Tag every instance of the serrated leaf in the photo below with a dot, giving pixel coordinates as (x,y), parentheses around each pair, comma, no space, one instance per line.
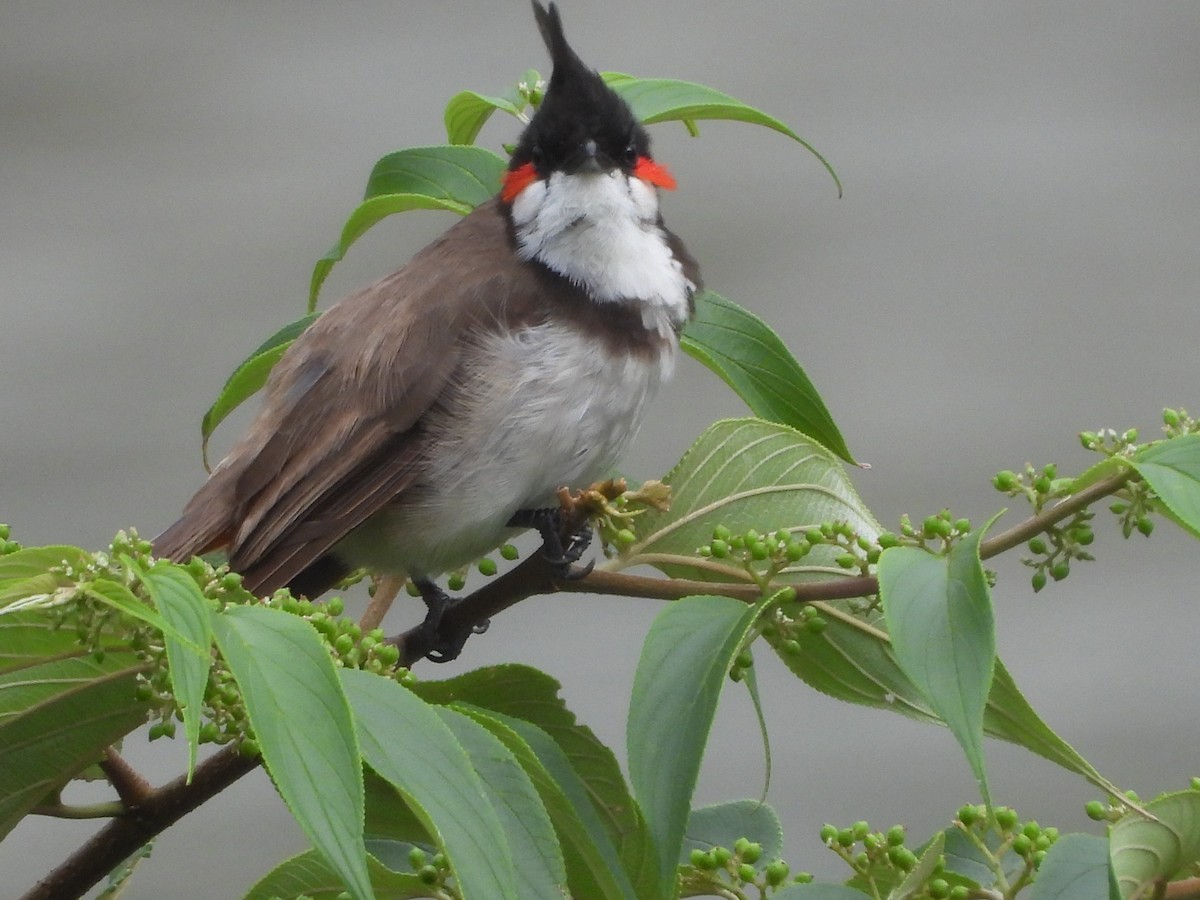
(249,377)
(308,874)
(593,867)
(405,741)
(721,824)
(537,859)
(182,605)
(913,883)
(748,356)
(467,113)
(303,725)
(684,663)
(1145,852)
(1075,868)
(938,612)
(57,716)
(452,177)
(670,100)
(1172,469)
(527,695)
(748,473)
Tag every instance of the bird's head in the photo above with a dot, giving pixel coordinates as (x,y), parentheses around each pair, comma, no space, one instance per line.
(582,129)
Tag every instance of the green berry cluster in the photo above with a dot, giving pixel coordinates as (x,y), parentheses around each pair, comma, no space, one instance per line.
(1177,422)
(1038,487)
(350,646)
(785,625)
(432,869)
(7,546)
(1133,505)
(1055,549)
(873,855)
(763,556)
(941,528)
(1027,840)
(731,871)
(1113,808)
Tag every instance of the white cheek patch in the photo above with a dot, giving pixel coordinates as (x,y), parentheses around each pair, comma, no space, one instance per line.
(601,232)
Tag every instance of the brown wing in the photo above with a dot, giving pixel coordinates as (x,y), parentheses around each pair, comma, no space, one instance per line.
(339,434)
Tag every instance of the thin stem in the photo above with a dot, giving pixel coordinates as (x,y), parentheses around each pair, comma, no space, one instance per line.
(1187,889)
(386,590)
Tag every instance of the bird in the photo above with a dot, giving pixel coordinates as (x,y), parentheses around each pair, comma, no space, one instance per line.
(429,417)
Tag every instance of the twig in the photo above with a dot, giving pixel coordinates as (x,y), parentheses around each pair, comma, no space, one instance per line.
(1187,889)
(130,786)
(118,840)
(108,810)
(386,589)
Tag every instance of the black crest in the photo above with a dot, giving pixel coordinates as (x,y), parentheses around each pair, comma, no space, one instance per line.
(578,107)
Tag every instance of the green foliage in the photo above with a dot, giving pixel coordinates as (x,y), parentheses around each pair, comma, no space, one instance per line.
(485,785)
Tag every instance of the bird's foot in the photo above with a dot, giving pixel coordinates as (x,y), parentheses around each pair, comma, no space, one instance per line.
(560,550)
(432,640)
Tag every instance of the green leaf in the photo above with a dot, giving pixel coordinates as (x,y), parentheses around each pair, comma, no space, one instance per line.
(939,614)
(537,859)
(748,356)
(31,562)
(1075,868)
(182,605)
(467,113)
(669,100)
(114,594)
(684,663)
(723,823)
(303,724)
(1144,852)
(915,881)
(57,715)
(309,875)
(1172,469)
(454,178)
(748,473)
(526,695)
(406,742)
(593,867)
(249,377)
(25,575)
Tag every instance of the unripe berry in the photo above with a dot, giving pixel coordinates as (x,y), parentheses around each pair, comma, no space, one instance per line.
(776,873)
(1096,810)
(960,892)
(1005,481)
(720,549)
(428,875)
(509,552)
(1006,818)
(968,815)
(417,857)
(828,832)
(895,836)
(487,567)
(746,873)
(939,889)
(722,855)
(626,537)
(1145,525)
(1089,439)
(845,837)
(1037,546)
(814,536)
(752,852)
(1022,845)
(887,540)
(1060,570)
(1038,580)
(847,560)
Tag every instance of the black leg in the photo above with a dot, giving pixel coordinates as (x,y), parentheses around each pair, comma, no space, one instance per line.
(560,553)
(430,640)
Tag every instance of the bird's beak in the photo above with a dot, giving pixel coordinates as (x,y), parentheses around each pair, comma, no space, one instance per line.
(590,160)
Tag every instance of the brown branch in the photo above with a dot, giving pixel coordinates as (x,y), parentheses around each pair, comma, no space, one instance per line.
(130,786)
(1187,889)
(159,809)
(533,576)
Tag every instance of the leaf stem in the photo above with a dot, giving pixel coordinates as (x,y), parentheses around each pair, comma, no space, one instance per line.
(130,786)
(106,810)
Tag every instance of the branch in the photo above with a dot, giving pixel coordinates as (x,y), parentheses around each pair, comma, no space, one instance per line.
(130,786)
(158,809)
(534,576)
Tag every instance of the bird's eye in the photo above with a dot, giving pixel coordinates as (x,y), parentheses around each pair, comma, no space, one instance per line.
(537,155)
(631,154)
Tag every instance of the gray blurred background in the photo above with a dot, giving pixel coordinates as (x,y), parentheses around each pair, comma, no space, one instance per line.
(1015,259)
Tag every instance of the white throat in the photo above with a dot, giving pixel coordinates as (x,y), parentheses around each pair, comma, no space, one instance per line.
(601,232)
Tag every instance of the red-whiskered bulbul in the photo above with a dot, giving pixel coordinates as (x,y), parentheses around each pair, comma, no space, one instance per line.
(419,421)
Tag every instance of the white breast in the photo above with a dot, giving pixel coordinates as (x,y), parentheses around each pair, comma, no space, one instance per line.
(539,409)
(601,231)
